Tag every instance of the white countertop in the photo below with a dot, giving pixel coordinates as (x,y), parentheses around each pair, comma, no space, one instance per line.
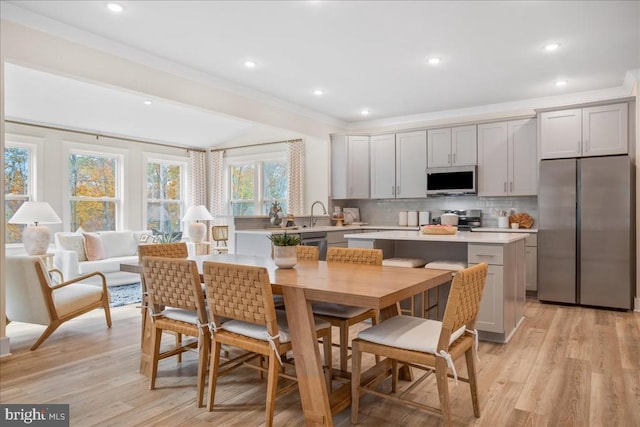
(326,228)
(506,230)
(459,237)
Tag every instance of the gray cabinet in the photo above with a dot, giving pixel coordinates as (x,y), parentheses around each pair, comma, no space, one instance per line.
(349,167)
(531,261)
(507,160)
(583,132)
(452,146)
(503,298)
(337,239)
(398,165)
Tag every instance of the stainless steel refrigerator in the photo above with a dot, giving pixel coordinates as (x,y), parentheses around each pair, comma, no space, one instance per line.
(586,232)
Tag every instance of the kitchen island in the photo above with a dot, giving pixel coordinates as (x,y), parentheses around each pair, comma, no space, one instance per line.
(503,300)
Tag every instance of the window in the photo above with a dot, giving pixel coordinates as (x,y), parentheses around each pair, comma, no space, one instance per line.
(94,191)
(18,182)
(256,184)
(165,195)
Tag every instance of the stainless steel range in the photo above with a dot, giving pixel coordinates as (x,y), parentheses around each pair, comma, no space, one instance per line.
(467,218)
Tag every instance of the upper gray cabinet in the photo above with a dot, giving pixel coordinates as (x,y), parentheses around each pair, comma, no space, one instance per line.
(349,167)
(455,146)
(583,132)
(507,164)
(398,165)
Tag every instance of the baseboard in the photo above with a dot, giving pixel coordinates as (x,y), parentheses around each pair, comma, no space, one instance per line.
(637,304)
(5,347)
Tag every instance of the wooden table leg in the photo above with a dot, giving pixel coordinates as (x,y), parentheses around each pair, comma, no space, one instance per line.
(311,382)
(145,342)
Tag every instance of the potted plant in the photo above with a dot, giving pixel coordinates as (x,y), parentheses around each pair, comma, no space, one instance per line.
(284,249)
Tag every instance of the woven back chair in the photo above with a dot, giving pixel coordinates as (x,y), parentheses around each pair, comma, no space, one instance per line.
(177,304)
(220,234)
(242,295)
(428,344)
(307,253)
(355,256)
(167,250)
(344,316)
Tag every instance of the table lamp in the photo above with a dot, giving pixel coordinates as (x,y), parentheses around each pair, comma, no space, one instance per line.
(197,230)
(36,238)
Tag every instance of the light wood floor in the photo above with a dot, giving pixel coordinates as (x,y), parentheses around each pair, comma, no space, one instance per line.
(566,366)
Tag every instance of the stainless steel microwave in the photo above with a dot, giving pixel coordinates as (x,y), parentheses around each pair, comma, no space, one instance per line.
(455,180)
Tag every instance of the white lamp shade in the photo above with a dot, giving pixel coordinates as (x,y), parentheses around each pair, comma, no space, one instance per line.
(35,213)
(197,213)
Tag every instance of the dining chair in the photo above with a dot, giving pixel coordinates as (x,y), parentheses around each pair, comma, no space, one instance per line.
(166,250)
(427,344)
(176,304)
(242,296)
(32,297)
(345,316)
(307,253)
(220,234)
(303,253)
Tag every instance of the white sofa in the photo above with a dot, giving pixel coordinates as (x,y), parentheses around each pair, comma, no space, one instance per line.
(119,246)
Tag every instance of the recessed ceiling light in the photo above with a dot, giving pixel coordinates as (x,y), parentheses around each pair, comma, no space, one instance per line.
(364,112)
(250,64)
(551,47)
(434,61)
(148,102)
(318,92)
(115,7)
(561,83)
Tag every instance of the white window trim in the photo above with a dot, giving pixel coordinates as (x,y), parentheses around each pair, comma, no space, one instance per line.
(86,149)
(259,159)
(36,180)
(148,157)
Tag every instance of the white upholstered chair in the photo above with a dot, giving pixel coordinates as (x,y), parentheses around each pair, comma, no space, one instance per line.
(33,298)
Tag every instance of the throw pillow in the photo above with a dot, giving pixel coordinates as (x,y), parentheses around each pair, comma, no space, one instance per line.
(72,242)
(93,247)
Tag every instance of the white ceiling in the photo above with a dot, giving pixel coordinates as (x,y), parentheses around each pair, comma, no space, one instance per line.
(363,54)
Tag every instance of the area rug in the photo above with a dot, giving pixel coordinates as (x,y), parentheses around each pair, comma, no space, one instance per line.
(125,294)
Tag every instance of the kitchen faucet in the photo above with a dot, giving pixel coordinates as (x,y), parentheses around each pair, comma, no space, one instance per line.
(311,221)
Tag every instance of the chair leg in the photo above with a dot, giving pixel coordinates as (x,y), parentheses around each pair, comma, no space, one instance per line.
(374,322)
(214,366)
(394,375)
(179,344)
(107,310)
(47,332)
(344,345)
(272,386)
(473,383)
(204,346)
(356,361)
(156,339)
(443,390)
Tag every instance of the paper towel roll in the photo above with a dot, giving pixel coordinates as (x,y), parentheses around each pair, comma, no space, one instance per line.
(402,218)
(412,218)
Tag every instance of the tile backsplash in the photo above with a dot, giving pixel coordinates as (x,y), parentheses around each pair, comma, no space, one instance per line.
(385,211)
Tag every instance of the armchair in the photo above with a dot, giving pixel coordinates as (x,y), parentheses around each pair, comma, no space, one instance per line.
(33,298)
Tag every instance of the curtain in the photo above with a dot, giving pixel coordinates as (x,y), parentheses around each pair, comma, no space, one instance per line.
(197,178)
(216,164)
(295,159)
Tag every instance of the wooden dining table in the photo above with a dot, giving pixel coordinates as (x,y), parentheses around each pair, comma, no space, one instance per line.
(371,286)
